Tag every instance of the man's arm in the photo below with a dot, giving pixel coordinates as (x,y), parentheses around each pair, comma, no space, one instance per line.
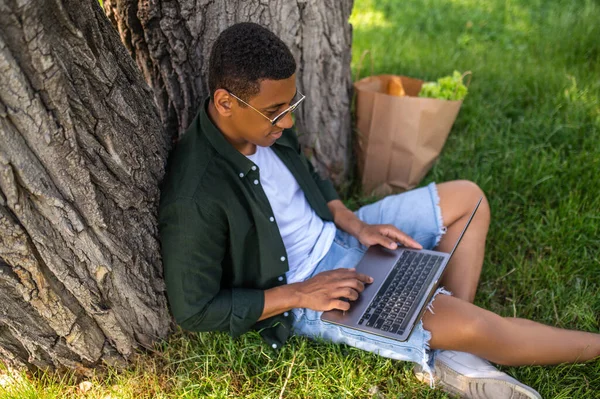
(321,292)
(325,185)
(386,235)
(345,219)
(193,244)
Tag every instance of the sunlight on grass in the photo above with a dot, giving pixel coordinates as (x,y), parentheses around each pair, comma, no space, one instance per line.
(586,98)
(369,19)
(528,133)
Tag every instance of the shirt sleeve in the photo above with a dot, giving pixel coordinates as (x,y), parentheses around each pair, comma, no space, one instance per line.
(193,244)
(325,185)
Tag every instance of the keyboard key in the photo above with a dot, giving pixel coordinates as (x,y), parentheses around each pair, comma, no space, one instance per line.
(396,297)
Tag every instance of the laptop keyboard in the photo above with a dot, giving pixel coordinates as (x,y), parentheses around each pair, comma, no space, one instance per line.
(397,298)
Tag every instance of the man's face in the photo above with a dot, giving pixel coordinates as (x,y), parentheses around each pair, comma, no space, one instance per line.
(274,97)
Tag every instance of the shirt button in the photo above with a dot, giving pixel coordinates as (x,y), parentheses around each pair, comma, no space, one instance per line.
(253,168)
(271,219)
(241,175)
(282,258)
(280,278)
(274,346)
(285,314)
(255,181)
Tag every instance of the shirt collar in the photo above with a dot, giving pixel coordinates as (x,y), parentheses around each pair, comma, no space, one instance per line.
(220,143)
(224,147)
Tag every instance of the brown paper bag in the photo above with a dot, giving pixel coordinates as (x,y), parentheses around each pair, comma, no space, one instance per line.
(399,138)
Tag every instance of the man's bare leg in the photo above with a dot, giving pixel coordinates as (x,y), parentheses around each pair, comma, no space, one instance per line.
(457,201)
(466,329)
(462,326)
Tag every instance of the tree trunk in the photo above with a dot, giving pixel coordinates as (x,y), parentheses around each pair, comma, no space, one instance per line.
(82,151)
(171,42)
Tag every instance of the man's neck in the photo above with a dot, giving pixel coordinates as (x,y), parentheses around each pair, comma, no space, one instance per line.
(241,145)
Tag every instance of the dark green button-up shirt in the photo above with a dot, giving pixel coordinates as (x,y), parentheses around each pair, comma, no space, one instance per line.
(221,247)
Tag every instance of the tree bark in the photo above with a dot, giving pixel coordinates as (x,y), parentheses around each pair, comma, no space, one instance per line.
(83,146)
(171,41)
(82,151)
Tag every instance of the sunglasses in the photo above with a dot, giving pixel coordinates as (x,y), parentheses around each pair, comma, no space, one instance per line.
(274,121)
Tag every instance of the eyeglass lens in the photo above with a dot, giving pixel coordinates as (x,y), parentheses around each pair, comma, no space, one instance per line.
(294,104)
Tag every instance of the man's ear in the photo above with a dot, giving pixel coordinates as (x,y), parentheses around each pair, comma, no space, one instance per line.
(223,102)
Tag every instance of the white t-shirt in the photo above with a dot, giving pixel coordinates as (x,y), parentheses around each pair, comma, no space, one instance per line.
(306,237)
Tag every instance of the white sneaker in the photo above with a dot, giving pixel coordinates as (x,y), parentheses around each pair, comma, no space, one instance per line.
(471,377)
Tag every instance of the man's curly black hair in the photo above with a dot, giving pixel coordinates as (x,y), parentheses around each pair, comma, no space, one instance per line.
(243,55)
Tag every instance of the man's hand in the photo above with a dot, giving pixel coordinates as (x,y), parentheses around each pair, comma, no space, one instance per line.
(323,291)
(386,235)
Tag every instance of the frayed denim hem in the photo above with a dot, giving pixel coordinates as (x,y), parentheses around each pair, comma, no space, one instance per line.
(435,197)
(428,359)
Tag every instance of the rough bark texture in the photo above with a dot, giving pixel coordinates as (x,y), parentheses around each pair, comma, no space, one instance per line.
(171,41)
(82,151)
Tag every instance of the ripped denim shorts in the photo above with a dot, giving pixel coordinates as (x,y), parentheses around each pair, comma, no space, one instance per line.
(417,213)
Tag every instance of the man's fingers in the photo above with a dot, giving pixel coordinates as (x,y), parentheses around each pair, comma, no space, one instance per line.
(409,242)
(342,272)
(351,274)
(353,283)
(364,278)
(339,304)
(386,242)
(344,292)
(403,238)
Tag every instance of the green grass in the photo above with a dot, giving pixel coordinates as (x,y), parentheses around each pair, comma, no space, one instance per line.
(528,134)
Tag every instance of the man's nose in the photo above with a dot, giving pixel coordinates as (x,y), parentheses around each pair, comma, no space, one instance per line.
(286,122)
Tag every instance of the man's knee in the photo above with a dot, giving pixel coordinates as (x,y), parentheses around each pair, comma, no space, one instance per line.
(474,329)
(479,333)
(467,189)
(473,192)
(461,196)
(456,324)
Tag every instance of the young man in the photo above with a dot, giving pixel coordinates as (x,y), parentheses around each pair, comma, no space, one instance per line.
(253,238)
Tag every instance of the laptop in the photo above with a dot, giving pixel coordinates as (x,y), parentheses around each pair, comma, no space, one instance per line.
(404,280)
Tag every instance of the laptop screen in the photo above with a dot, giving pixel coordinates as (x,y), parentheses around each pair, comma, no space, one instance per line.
(467,225)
